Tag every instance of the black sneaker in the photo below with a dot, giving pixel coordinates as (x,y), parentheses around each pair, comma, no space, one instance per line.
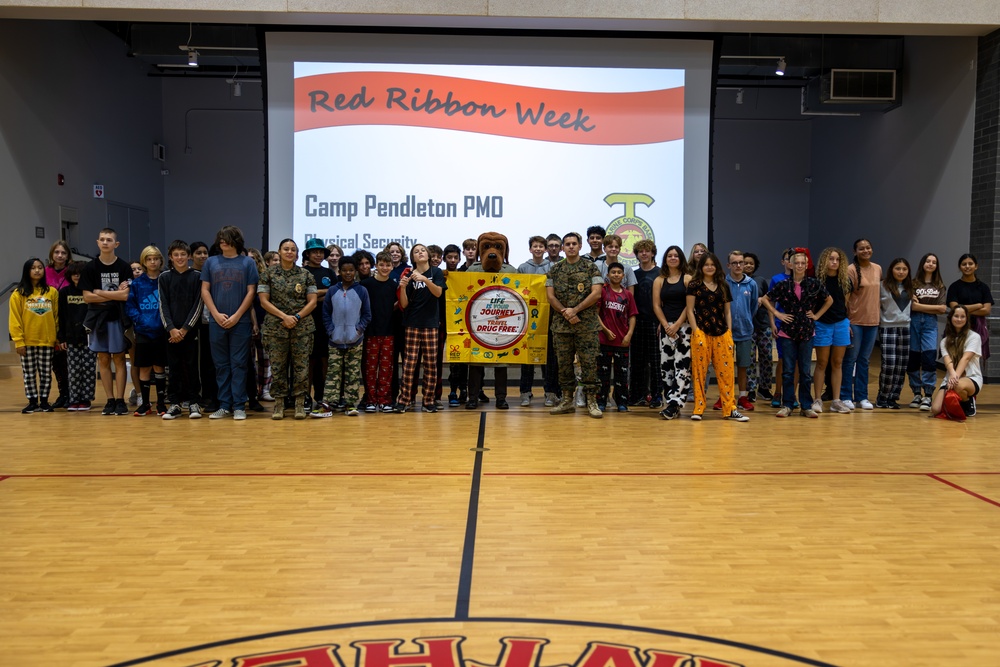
(32,406)
(463,396)
(60,403)
(109,407)
(892,405)
(969,407)
(430,408)
(121,408)
(655,403)
(483,398)
(501,404)
(255,406)
(765,393)
(174,412)
(399,408)
(670,412)
(44,406)
(452,400)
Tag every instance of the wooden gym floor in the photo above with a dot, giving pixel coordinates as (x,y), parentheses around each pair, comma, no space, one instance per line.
(869,539)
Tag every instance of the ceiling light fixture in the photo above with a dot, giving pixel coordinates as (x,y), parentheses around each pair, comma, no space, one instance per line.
(192,58)
(780,71)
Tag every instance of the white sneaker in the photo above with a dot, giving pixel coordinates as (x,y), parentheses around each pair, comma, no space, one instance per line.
(266,397)
(194,411)
(849,405)
(550,400)
(737,416)
(351,412)
(239,415)
(526,399)
(817,406)
(838,406)
(925,403)
(221,413)
(866,405)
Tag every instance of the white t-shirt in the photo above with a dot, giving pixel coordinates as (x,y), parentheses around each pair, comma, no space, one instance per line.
(974,344)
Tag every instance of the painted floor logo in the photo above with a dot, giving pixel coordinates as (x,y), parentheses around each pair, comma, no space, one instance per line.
(475,643)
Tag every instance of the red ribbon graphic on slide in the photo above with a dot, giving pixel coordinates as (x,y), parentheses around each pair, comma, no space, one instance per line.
(484,107)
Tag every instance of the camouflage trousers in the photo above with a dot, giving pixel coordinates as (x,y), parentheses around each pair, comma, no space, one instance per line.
(343,376)
(585,346)
(288,350)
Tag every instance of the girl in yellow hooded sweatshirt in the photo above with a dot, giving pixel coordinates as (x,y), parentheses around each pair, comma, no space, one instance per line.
(33,311)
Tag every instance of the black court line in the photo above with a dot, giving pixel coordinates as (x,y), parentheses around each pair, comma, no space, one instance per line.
(469,547)
(541,621)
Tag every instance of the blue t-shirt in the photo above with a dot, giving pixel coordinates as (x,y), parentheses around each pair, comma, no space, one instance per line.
(228,279)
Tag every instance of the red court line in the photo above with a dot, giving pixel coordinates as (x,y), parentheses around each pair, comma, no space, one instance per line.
(236,474)
(965,490)
(707,474)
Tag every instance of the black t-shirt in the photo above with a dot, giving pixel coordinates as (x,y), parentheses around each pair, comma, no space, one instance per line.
(838,309)
(382,296)
(673,298)
(965,293)
(98,275)
(325,279)
(644,292)
(422,311)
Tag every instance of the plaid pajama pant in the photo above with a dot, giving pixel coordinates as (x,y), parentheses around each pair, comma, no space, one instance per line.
(420,344)
(36,365)
(895,344)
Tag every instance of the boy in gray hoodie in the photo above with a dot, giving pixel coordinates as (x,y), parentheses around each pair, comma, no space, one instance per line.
(346,314)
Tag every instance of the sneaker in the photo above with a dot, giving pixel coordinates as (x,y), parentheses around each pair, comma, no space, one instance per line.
(602,406)
(371,407)
(718,405)
(784,411)
(764,393)
(501,404)
(915,403)
(386,408)
(550,399)
(185,405)
(655,404)
(640,402)
(83,406)
(133,398)
(174,412)
(817,406)
(438,404)
(59,403)
(161,409)
(266,397)
(776,402)
(925,403)
(483,398)
(452,401)
(44,406)
(737,416)
(120,407)
(811,414)
(399,408)
(194,411)
(696,418)
(969,407)
(744,403)
(463,396)
(32,406)
(622,407)
(892,405)
(143,410)
(221,413)
(239,415)
(72,407)
(849,405)
(752,396)
(321,410)
(881,404)
(838,406)
(351,412)
(866,405)
(670,412)
(255,406)
(430,407)
(109,407)
(526,399)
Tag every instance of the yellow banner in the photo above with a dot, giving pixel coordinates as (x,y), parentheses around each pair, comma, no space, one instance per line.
(496,318)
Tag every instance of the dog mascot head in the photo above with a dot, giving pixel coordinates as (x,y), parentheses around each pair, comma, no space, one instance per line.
(493,251)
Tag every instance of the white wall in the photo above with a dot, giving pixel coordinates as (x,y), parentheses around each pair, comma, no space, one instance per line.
(71,103)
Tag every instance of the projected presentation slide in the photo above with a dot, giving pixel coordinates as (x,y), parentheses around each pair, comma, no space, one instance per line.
(437,152)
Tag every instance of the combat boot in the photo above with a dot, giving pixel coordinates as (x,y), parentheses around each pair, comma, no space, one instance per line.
(593,409)
(565,405)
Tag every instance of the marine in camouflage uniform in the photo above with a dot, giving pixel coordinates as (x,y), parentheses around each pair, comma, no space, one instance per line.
(571,283)
(288,290)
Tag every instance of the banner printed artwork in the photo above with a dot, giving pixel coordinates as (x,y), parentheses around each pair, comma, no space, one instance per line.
(496,318)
